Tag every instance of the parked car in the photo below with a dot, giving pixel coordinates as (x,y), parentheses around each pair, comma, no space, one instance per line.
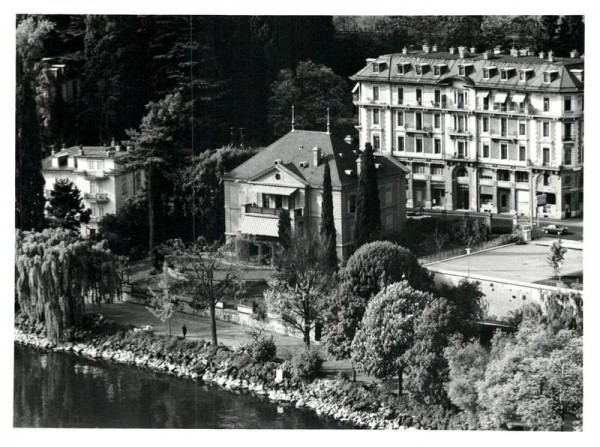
(555,229)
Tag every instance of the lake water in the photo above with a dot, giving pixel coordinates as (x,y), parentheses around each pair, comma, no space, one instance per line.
(55,389)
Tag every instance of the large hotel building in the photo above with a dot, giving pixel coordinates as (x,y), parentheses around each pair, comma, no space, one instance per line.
(491,132)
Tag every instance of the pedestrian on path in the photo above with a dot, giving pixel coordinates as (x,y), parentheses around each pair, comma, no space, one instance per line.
(184,330)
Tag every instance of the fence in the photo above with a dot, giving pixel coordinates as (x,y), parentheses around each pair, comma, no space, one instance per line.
(447,254)
(498,224)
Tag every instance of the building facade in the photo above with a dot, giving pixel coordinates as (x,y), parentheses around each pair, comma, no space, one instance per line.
(288,174)
(488,132)
(97,173)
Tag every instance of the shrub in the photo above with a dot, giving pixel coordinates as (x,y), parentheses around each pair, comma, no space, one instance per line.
(263,350)
(306,365)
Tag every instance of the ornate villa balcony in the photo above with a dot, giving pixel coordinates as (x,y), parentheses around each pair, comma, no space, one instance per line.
(99,197)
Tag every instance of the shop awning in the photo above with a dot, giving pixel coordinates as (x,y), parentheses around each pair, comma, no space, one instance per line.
(500,97)
(519,97)
(277,190)
(483,94)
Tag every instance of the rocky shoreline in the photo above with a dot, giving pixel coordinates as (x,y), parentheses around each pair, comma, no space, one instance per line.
(321,396)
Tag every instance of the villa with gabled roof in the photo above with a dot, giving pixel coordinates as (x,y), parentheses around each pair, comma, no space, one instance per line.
(288,174)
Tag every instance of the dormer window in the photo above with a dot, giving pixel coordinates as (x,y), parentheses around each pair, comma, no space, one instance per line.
(463,69)
(403,67)
(486,73)
(549,76)
(504,75)
(438,69)
(375,66)
(525,74)
(418,70)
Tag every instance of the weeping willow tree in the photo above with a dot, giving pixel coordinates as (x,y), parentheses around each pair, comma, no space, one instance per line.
(56,271)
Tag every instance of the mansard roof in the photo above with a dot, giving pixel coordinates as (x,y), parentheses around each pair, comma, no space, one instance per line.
(564,81)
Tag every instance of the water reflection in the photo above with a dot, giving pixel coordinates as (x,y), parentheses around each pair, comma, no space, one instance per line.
(62,390)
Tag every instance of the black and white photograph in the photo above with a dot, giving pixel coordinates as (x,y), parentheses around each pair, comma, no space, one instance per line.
(297,222)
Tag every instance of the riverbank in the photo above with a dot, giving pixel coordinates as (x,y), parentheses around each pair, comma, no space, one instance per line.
(362,406)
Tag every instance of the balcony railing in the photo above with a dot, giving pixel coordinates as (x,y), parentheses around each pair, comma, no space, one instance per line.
(566,138)
(95,175)
(96,196)
(253,209)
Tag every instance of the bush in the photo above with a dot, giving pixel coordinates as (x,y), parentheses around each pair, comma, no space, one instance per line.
(306,365)
(263,350)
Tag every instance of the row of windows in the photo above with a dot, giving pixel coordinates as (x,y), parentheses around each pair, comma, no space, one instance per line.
(461,98)
(461,149)
(461,123)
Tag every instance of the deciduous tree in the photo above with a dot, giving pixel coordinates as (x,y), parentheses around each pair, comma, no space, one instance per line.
(556,257)
(387,331)
(370,269)
(301,283)
(204,274)
(56,271)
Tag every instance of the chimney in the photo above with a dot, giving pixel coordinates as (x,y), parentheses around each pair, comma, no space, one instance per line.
(113,143)
(542,55)
(348,139)
(473,50)
(486,55)
(316,155)
(434,49)
(574,54)
(514,52)
(550,56)
(358,165)
(425,48)
(498,50)
(462,52)
(404,50)
(64,145)
(451,50)
(52,150)
(81,150)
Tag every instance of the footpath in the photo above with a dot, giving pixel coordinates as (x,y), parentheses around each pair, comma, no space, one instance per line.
(229,334)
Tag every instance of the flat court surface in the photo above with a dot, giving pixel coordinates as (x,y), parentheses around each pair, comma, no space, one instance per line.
(525,263)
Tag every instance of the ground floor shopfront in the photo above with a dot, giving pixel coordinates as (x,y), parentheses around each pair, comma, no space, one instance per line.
(472,186)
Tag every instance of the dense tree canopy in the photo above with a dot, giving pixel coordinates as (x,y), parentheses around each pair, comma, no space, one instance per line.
(200,186)
(370,269)
(534,376)
(311,89)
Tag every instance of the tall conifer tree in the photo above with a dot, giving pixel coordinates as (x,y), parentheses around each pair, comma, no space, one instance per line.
(367,226)
(328,225)
(29,182)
